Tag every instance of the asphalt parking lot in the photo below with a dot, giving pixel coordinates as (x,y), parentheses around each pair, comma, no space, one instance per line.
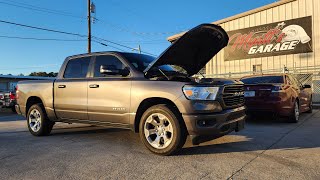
(266,149)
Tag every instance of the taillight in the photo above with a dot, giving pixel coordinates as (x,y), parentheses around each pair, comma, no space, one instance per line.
(12,96)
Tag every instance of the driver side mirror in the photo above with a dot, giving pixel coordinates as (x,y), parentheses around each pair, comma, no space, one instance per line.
(112,70)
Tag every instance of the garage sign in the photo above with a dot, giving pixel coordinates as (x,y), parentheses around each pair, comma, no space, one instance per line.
(280,38)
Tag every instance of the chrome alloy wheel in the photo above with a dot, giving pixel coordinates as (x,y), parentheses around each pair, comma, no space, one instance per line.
(158,131)
(296,111)
(35,120)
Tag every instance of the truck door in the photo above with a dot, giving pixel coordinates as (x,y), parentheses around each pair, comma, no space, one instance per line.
(71,92)
(108,95)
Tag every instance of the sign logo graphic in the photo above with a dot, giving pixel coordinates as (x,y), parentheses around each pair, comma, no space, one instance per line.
(280,38)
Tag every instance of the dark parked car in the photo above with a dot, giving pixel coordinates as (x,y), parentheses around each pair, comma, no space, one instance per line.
(8,100)
(280,94)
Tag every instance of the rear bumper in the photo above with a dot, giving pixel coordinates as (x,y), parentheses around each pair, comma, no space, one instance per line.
(203,127)
(7,104)
(282,108)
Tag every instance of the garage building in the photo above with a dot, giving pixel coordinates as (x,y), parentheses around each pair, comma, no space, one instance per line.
(282,36)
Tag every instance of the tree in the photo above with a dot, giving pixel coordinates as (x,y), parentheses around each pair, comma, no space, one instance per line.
(44,74)
(53,74)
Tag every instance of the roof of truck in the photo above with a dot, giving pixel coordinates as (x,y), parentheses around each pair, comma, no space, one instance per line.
(97,53)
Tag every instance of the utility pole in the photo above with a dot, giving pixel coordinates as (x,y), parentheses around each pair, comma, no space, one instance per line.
(139,49)
(89,26)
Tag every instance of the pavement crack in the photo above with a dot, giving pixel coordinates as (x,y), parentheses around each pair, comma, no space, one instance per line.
(269,147)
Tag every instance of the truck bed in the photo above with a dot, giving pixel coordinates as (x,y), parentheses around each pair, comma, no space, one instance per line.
(42,89)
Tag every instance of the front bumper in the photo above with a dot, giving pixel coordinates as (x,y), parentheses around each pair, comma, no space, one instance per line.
(210,126)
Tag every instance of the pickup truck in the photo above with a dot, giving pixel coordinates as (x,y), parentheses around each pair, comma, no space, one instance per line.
(155,97)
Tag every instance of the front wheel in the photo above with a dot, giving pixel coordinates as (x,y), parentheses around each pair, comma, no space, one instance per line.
(38,122)
(160,130)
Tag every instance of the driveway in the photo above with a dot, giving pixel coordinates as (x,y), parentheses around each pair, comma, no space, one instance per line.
(266,149)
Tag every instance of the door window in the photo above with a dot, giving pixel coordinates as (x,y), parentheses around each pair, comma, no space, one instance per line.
(107,60)
(77,68)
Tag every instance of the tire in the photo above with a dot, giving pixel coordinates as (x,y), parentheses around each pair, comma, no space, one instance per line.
(161,131)
(38,122)
(310,107)
(294,118)
(13,109)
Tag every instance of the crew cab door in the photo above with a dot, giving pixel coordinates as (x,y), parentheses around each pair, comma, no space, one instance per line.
(108,95)
(71,91)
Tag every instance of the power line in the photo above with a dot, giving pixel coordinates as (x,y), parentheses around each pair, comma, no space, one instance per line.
(63,13)
(127,10)
(39,39)
(69,33)
(122,29)
(121,45)
(44,29)
(103,44)
(40,9)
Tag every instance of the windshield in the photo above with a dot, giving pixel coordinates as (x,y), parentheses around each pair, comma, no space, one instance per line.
(263,80)
(141,62)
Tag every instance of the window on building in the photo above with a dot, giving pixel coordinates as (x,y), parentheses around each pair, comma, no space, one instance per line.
(257,68)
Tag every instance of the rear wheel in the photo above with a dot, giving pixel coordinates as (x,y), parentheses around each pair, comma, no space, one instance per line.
(296,113)
(38,122)
(13,109)
(160,130)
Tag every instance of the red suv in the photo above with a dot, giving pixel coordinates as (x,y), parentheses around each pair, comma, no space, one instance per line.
(280,94)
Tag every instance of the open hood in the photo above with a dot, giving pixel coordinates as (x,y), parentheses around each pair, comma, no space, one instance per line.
(194,49)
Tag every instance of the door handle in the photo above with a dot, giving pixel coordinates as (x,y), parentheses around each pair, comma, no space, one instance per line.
(62,86)
(93,86)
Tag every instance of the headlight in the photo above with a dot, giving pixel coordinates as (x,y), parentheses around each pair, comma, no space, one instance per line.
(200,93)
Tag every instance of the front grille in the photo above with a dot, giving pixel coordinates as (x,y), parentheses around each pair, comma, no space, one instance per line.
(233,96)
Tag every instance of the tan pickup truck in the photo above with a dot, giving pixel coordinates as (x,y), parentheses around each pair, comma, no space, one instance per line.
(155,97)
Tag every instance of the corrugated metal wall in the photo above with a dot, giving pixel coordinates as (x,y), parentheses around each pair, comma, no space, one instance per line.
(291,10)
